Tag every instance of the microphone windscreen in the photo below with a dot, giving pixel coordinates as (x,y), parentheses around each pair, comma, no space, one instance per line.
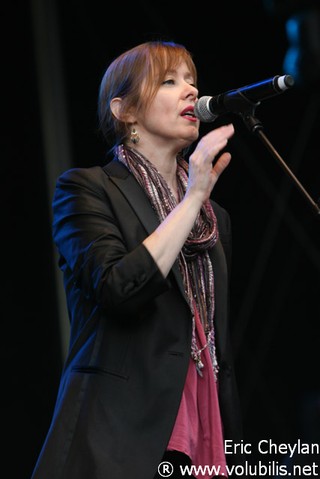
(202,110)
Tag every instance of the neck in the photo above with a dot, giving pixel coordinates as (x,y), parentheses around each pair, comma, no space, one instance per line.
(165,161)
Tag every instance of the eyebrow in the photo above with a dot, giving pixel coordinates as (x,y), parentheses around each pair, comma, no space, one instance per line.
(175,71)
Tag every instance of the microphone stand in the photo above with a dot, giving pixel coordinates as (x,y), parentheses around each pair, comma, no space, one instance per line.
(255,126)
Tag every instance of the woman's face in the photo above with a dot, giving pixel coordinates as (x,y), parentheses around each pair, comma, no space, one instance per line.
(170,117)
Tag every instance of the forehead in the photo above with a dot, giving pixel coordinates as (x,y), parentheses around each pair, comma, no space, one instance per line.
(182,69)
(170,60)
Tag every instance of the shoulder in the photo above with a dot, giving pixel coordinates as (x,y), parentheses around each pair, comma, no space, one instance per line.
(78,186)
(81,175)
(94,174)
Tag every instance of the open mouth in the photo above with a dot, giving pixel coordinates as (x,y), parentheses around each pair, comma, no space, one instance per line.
(189,113)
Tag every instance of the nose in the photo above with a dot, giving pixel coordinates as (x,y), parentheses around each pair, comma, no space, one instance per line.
(191,90)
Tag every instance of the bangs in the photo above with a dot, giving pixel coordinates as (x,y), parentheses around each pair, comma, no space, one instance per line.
(169,57)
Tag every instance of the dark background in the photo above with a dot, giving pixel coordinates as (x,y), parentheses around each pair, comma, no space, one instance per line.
(58,51)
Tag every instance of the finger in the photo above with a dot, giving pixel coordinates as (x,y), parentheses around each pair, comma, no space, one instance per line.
(218,140)
(221,164)
(227,130)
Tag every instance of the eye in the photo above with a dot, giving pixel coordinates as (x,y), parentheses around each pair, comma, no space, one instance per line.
(169,81)
(191,82)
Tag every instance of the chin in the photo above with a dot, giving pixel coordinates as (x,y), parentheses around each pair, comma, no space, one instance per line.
(194,136)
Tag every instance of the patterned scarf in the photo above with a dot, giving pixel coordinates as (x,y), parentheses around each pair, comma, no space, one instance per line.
(194,261)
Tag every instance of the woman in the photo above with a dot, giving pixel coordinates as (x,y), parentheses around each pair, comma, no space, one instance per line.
(144,253)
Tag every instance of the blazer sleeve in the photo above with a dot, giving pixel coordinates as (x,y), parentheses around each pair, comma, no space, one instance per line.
(93,254)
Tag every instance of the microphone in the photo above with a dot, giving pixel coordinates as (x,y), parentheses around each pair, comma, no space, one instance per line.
(208,108)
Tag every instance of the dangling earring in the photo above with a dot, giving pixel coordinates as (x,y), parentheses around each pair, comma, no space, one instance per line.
(134,136)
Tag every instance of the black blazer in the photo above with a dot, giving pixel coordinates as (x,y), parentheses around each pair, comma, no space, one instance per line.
(130,334)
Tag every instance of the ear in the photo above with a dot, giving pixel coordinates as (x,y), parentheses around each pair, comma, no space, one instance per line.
(116,108)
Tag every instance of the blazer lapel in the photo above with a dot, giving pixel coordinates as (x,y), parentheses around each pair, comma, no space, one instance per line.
(137,198)
(218,259)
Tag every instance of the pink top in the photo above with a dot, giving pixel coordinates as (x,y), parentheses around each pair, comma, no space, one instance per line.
(198,429)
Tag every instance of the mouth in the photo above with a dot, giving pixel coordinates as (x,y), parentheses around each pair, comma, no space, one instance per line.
(188,113)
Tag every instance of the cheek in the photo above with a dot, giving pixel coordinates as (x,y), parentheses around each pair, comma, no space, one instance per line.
(163,104)
(162,109)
